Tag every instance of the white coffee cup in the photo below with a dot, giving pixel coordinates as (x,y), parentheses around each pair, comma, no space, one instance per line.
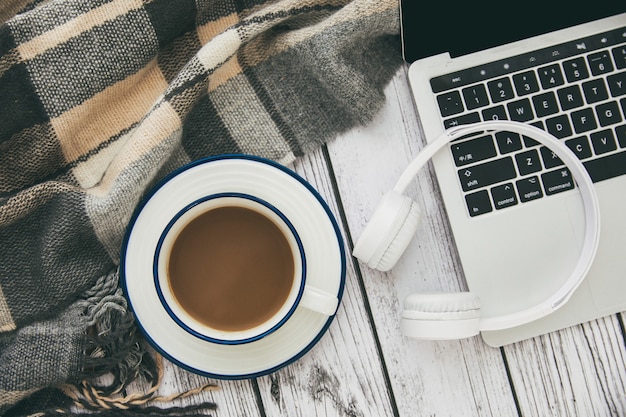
(300,293)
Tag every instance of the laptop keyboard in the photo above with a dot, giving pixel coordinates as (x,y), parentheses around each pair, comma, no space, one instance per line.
(575,90)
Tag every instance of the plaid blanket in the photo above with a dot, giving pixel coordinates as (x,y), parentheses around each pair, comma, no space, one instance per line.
(101,98)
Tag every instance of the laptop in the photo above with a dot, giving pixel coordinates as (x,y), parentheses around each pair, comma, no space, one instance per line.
(517,219)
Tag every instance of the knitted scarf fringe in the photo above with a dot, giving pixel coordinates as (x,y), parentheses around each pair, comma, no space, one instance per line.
(88,397)
(115,348)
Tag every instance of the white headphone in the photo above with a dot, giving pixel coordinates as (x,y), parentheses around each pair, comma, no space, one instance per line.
(457,315)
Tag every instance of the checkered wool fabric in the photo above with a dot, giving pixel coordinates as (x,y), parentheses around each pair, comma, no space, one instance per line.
(101,98)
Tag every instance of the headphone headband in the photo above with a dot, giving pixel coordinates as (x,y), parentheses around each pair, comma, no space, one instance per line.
(383,256)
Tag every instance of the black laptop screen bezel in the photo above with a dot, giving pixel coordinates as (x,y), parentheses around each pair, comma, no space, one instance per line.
(461,28)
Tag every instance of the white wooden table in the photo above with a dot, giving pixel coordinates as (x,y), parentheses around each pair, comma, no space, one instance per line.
(363,366)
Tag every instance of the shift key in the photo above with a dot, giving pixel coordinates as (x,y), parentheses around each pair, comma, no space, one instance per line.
(482,175)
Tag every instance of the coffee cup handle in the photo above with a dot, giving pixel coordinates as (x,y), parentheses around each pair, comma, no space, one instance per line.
(319,301)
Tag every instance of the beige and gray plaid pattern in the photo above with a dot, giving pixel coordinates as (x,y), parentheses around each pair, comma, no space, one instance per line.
(100,99)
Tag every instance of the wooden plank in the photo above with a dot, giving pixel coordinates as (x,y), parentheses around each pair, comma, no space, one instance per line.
(443,378)
(579,371)
(342,375)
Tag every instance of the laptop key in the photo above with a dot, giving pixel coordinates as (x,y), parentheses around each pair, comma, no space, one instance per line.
(559,126)
(583,120)
(603,141)
(521,110)
(463,119)
(526,83)
(608,113)
(450,103)
(487,173)
(619,55)
(600,63)
(500,90)
(570,97)
(580,146)
(606,167)
(557,181)
(474,150)
(551,76)
(478,203)
(528,162)
(575,69)
(508,142)
(503,196)
(617,84)
(530,142)
(494,113)
(529,189)
(545,104)
(620,132)
(549,158)
(595,91)
(475,96)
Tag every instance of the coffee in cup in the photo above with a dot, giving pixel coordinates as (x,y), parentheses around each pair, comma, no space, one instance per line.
(231,268)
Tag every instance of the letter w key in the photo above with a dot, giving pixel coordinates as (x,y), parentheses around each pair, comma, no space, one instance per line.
(521,110)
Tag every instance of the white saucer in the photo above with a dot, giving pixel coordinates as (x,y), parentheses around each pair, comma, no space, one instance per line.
(269,181)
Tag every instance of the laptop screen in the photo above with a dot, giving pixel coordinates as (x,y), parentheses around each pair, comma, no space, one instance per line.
(469,26)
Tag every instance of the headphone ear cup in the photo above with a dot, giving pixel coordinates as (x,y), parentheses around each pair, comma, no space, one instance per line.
(441,316)
(388,232)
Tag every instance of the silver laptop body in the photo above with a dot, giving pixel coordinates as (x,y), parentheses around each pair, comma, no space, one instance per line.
(518,226)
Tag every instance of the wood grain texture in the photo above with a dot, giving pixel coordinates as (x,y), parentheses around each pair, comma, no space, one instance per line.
(578,371)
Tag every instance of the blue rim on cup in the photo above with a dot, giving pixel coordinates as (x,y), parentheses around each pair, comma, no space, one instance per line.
(187,322)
